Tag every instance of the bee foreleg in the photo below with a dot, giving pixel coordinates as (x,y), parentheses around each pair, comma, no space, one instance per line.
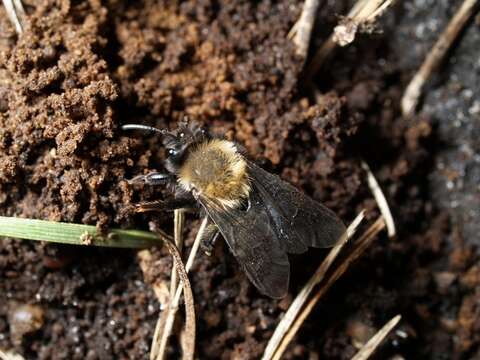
(209,237)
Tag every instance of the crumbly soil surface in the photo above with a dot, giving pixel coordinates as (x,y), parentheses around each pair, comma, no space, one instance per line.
(81,69)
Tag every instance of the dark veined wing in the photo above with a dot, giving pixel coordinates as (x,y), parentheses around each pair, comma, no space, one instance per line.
(299,220)
(252,238)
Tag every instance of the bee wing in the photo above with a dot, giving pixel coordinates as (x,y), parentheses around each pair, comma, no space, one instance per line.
(299,220)
(253,241)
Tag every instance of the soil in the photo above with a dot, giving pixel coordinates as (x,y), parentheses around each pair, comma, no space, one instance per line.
(81,69)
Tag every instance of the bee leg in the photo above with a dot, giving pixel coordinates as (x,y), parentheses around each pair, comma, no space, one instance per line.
(209,237)
(146,206)
(166,205)
(152,178)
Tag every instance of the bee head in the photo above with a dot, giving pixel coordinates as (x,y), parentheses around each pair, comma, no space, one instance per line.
(178,142)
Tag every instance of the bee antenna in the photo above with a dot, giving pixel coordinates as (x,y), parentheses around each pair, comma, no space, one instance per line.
(143,127)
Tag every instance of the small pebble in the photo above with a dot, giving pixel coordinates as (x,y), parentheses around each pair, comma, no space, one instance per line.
(359,332)
(444,280)
(24,319)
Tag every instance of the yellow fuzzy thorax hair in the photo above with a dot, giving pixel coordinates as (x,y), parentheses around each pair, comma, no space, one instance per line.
(215,170)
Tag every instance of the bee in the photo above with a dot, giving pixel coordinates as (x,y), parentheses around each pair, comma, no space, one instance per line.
(261,217)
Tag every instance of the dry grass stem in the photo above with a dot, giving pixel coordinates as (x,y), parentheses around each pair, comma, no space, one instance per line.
(154,347)
(359,247)
(178,222)
(168,317)
(380,10)
(196,244)
(15,12)
(372,344)
(160,291)
(10,355)
(362,15)
(435,56)
(4,356)
(380,199)
(366,9)
(190,326)
(301,298)
(301,32)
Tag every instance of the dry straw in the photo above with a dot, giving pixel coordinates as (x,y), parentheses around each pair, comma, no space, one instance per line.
(295,308)
(165,322)
(380,199)
(435,56)
(15,13)
(358,248)
(301,32)
(367,350)
(362,16)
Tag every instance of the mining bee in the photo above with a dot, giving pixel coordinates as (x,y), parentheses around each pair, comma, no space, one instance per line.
(260,216)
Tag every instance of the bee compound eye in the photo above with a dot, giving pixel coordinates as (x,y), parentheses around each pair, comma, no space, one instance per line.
(172,152)
(181,134)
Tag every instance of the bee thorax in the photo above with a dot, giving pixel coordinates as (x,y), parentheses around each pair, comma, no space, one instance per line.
(216,170)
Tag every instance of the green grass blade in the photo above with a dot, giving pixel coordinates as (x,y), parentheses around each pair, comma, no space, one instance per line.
(74,234)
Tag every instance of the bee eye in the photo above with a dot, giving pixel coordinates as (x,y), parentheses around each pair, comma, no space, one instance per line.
(181,135)
(172,152)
